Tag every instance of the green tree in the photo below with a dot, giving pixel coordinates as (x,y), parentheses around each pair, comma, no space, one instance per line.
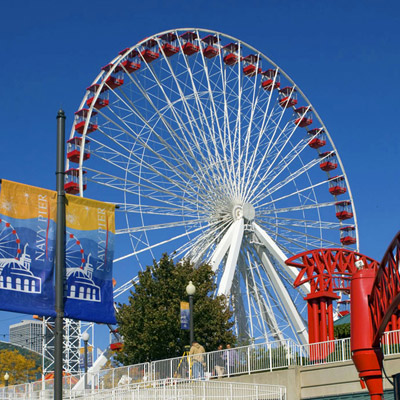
(21,369)
(150,323)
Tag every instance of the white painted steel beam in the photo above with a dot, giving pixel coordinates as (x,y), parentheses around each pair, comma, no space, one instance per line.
(232,259)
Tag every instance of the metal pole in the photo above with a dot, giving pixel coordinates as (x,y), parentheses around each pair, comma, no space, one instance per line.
(60,257)
(86,362)
(396,384)
(191,319)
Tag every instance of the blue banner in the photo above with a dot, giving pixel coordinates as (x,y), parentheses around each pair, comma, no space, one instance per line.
(27,248)
(27,252)
(89,258)
(185,315)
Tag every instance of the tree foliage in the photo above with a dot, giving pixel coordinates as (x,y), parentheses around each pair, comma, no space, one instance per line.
(342,331)
(150,323)
(21,369)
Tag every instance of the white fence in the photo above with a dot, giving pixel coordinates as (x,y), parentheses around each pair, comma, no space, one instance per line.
(215,364)
(166,389)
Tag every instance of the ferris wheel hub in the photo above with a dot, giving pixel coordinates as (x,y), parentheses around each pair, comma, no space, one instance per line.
(245,211)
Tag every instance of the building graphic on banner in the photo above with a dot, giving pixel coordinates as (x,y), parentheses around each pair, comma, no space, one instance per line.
(15,269)
(80,282)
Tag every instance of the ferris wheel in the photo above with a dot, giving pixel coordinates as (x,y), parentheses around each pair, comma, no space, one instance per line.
(10,243)
(213,153)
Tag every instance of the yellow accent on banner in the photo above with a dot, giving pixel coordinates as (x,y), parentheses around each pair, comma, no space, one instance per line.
(184,305)
(87,214)
(25,202)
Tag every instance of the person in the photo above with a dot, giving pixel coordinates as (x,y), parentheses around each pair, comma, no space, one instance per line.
(219,362)
(196,354)
(232,358)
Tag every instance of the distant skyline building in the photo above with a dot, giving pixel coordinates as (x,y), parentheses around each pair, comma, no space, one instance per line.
(28,334)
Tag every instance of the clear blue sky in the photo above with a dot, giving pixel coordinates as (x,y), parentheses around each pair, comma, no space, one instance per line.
(345,57)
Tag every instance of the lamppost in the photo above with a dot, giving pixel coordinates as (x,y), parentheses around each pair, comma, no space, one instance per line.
(85,338)
(6,378)
(190,290)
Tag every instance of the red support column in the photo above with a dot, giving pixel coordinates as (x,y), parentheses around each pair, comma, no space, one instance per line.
(368,360)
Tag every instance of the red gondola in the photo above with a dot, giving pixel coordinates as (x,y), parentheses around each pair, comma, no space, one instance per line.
(304,116)
(74,149)
(80,121)
(102,98)
(189,47)
(147,54)
(329,162)
(269,81)
(116,78)
(169,46)
(71,184)
(348,235)
(319,139)
(250,68)
(343,210)
(337,185)
(231,57)
(288,97)
(211,50)
(116,346)
(131,61)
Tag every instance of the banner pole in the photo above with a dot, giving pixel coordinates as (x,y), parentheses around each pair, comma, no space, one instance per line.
(60,258)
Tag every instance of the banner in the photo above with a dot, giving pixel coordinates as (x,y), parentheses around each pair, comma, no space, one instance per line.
(185,315)
(89,255)
(27,252)
(27,248)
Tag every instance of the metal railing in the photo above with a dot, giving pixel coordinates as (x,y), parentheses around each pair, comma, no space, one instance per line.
(391,343)
(215,364)
(166,389)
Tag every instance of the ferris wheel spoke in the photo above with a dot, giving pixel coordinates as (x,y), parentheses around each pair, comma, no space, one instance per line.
(254,104)
(297,208)
(302,223)
(272,144)
(265,123)
(178,153)
(202,244)
(121,184)
(215,120)
(167,211)
(172,239)
(196,221)
(179,122)
(308,236)
(204,121)
(290,178)
(191,120)
(142,163)
(294,193)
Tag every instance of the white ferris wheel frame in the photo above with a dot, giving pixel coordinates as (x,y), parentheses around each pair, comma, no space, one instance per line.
(229,240)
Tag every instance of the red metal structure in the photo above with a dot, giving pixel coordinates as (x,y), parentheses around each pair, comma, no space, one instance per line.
(375,302)
(374,305)
(327,271)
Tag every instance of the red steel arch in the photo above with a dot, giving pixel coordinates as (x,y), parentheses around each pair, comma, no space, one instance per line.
(385,296)
(327,271)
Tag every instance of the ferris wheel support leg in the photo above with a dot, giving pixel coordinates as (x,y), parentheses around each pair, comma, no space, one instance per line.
(231,262)
(278,285)
(286,300)
(222,248)
(278,255)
